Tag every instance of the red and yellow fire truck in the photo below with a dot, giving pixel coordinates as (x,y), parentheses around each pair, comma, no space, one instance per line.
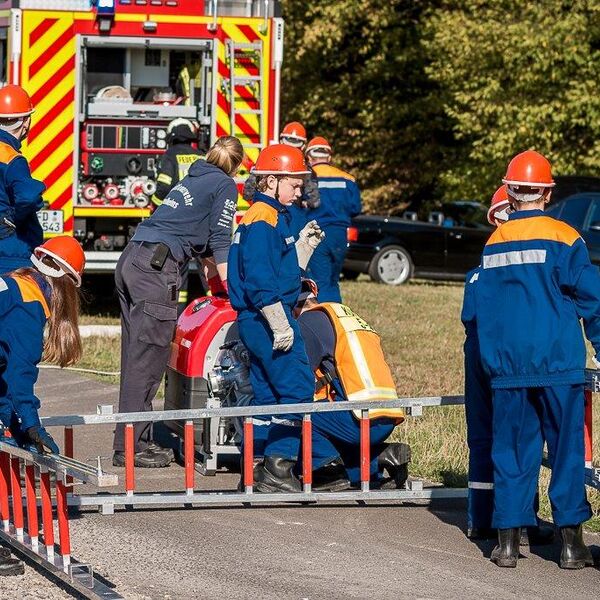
(107,76)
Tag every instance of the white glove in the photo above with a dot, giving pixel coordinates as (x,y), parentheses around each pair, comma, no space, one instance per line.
(283,334)
(308,239)
(596,362)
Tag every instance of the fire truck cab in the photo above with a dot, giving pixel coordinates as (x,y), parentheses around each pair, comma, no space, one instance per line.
(107,79)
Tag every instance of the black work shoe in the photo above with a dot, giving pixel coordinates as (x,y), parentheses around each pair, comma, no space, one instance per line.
(4,553)
(506,553)
(540,535)
(144,459)
(11,566)
(575,554)
(394,459)
(275,475)
(156,447)
(257,462)
(331,477)
(482,533)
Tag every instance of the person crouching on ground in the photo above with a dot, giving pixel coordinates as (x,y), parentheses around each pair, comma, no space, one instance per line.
(536,282)
(264,267)
(340,344)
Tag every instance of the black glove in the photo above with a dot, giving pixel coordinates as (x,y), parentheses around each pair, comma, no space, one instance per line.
(42,440)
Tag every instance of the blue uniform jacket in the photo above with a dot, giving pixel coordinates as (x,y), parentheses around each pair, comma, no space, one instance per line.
(20,199)
(263,264)
(536,281)
(23,313)
(340,197)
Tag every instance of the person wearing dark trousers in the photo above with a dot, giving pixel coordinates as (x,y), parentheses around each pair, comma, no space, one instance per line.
(196,214)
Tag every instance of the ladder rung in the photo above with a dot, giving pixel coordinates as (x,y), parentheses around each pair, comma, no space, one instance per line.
(236,80)
(247,46)
(248,111)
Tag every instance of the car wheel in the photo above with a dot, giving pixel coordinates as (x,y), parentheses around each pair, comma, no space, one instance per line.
(350,275)
(391,265)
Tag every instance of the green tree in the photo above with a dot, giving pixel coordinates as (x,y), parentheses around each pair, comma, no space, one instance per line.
(514,75)
(354,72)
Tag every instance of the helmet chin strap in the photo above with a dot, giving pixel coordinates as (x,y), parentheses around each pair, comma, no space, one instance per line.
(277,190)
(45,268)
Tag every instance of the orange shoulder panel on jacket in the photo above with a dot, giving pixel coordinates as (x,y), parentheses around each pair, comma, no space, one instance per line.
(324,170)
(534,228)
(30,292)
(7,153)
(260,211)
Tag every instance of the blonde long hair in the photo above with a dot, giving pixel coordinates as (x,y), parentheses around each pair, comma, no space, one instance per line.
(226,153)
(62,345)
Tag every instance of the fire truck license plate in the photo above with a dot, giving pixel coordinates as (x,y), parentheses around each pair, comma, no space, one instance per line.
(51,221)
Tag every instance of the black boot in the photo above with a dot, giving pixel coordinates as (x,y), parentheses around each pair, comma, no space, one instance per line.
(394,459)
(11,566)
(331,477)
(146,459)
(482,533)
(506,553)
(540,535)
(275,475)
(575,554)
(257,462)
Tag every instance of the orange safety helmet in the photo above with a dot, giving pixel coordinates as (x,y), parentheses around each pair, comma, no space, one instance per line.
(14,102)
(319,146)
(499,203)
(66,252)
(530,169)
(280,159)
(293,134)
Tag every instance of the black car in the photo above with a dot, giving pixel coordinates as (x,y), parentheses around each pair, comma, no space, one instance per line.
(393,249)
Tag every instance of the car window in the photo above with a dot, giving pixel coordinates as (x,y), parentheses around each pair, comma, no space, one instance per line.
(470,215)
(594,220)
(574,211)
(554,210)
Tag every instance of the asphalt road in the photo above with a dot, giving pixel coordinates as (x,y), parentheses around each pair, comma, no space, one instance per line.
(333,552)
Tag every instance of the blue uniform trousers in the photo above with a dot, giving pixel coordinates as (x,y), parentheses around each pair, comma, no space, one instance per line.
(326,263)
(276,378)
(478,411)
(523,419)
(337,434)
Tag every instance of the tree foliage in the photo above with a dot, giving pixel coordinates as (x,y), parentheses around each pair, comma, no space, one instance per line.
(427,99)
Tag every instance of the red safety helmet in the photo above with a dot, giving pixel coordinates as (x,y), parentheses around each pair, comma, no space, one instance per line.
(66,252)
(280,159)
(293,134)
(499,203)
(14,102)
(529,169)
(319,146)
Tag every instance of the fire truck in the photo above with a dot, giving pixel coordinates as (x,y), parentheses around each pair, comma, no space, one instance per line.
(107,77)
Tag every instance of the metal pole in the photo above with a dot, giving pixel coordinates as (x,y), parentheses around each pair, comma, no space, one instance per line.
(63,523)
(188,444)
(4,489)
(32,515)
(129,460)
(17,496)
(47,524)
(69,447)
(248,455)
(307,453)
(365,451)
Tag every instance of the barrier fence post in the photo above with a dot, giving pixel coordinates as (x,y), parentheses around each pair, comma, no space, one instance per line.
(47,525)
(17,495)
(248,455)
(188,458)
(307,453)
(62,515)
(32,514)
(365,451)
(587,430)
(4,489)
(129,460)
(69,448)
